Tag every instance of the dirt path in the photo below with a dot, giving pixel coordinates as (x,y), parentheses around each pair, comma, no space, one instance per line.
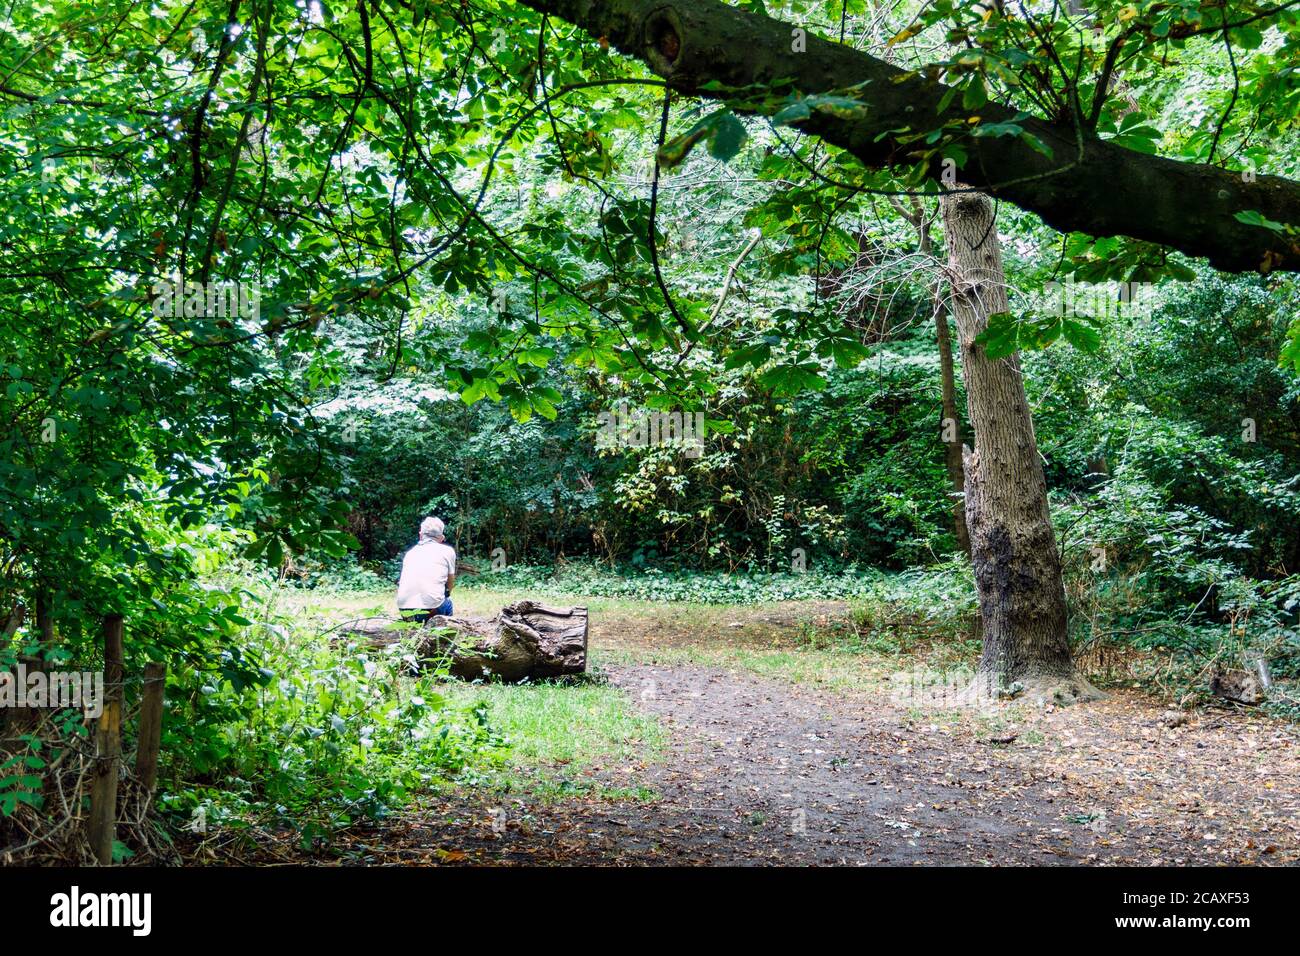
(765,770)
(760,771)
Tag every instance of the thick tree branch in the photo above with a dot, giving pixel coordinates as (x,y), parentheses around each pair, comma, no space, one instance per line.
(1087,185)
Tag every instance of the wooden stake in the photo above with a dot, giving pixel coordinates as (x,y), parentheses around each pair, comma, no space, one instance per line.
(108,747)
(151,714)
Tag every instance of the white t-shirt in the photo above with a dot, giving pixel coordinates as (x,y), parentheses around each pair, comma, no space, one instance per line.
(425,569)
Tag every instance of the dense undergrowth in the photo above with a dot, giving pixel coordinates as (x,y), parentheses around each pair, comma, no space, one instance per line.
(289,730)
(333,736)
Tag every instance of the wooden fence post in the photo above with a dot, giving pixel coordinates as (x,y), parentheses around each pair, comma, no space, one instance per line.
(108,747)
(151,714)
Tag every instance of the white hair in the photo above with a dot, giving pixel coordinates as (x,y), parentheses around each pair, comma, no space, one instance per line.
(431,529)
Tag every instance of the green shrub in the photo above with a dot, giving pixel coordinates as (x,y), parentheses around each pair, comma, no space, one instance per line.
(293,730)
(699,587)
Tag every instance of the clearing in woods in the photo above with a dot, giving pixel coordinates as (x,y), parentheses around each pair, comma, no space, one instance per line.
(723,735)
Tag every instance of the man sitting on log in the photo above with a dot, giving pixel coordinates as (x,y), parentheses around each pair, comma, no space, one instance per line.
(428,574)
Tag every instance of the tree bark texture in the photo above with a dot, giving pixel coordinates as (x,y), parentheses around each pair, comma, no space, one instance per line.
(951,437)
(951,448)
(1013,548)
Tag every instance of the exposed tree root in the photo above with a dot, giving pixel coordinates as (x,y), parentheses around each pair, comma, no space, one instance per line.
(1061,690)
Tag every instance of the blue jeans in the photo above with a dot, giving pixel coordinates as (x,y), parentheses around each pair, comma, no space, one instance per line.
(421,615)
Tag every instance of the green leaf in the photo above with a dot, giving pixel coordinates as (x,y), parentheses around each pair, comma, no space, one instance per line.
(1081,335)
(1290,354)
(974,96)
(755,355)
(1001,337)
(793,113)
(847,353)
(539,356)
(793,378)
(724,133)
(1252,217)
(728,136)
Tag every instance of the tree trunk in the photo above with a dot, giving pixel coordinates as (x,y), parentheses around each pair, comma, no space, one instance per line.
(952,443)
(526,640)
(12,623)
(44,620)
(1013,548)
(150,735)
(950,421)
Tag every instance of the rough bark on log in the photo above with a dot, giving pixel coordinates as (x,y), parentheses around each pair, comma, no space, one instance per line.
(526,640)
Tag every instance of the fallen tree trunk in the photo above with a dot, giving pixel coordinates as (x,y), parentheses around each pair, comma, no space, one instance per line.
(526,640)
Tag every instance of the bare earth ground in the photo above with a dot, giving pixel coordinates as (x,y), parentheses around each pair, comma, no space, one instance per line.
(761,770)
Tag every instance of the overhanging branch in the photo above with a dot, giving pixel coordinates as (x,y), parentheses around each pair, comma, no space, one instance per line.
(1087,185)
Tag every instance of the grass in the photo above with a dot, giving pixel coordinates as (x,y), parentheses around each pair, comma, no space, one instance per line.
(561,734)
(774,640)
(835,669)
(558,732)
(475,602)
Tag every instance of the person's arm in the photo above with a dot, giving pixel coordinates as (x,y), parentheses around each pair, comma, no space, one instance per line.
(451,571)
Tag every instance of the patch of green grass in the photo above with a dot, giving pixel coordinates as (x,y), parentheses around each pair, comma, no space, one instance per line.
(470,602)
(840,655)
(857,653)
(558,732)
(639,794)
(837,669)
(551,787)
(551,723)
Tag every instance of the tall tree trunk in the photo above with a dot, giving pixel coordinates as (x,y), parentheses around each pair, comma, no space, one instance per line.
(951,429)
(1013,548)
(950,421)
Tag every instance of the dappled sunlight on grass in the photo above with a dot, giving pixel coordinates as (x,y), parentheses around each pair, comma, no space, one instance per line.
(559,733)
(826,668)
(563,723)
